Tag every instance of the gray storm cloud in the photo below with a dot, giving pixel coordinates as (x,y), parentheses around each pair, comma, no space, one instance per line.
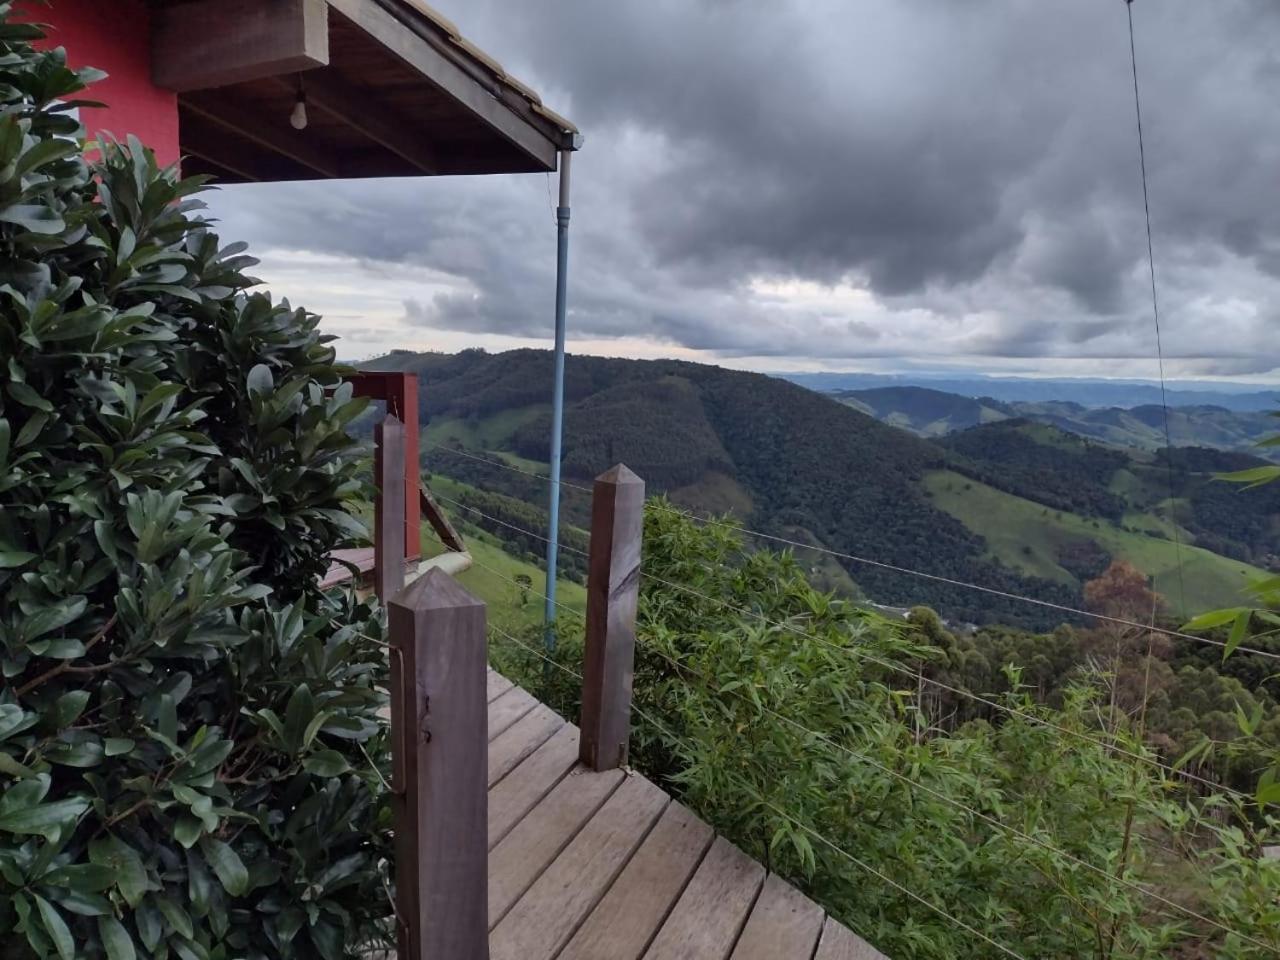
(971,167)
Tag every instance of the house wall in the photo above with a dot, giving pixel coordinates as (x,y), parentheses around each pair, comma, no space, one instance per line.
(115,36)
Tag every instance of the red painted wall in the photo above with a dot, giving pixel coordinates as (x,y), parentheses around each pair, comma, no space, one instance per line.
(115,36)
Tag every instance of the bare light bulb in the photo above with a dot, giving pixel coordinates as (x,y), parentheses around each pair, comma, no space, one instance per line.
(298,119)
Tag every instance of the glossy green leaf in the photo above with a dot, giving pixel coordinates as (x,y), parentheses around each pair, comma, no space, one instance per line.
(115,939)
(326,763)
(226,864)
(56,927)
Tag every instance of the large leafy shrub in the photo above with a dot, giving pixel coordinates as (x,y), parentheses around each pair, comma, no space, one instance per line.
(186,721)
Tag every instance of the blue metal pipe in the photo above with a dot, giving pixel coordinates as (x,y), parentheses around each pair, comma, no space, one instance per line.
(557,400)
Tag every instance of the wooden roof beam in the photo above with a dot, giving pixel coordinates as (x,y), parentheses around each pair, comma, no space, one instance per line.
(402,39)
(328,91)
(280,138)
(205,142)
(215,43)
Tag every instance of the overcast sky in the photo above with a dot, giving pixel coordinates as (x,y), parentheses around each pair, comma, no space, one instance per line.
(836,184)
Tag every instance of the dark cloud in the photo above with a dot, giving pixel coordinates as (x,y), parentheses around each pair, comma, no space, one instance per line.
(840,179)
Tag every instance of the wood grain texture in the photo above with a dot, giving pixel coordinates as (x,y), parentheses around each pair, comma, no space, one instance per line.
(520,739)
(840,943)
(424,57)
(517,861)
(507,709)
(546,916)
(388,510)
(613,590)
(783,923)
(442,815)
(626,920)
(710,913)
(496,685)
(524,787)
(214,43)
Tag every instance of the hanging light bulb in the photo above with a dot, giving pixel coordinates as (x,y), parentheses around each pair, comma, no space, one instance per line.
(298,119)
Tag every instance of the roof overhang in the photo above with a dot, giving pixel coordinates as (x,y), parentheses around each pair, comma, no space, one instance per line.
(392,89)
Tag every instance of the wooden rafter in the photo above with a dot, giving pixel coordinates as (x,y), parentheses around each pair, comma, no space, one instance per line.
(301,147)
(423,55)
(331,93)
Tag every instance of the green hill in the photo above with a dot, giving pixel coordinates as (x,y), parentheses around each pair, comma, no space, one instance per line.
(795,463)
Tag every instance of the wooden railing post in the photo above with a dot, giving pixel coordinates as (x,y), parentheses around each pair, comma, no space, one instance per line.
(613,590)
(400,393)
(389,508)
(440,741)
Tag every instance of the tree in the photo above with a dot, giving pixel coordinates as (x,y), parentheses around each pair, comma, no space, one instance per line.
(1130,656)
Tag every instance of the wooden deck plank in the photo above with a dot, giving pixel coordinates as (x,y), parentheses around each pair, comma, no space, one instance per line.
(710,913)
(783,923)
(497,685)
(519,740)
(840,943)
(625,921)
(547,915)
(507,709)
(524,787)
(519,859)
(587,866)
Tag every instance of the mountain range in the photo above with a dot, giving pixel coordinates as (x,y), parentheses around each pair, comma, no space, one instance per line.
(934,413)
(1084,391)
(1011,504)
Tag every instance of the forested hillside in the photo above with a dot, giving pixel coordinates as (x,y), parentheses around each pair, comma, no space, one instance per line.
(1029,509)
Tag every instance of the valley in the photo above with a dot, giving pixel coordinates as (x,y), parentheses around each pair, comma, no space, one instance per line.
(1013,504)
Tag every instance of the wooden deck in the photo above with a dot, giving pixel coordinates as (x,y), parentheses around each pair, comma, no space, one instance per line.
(606,866)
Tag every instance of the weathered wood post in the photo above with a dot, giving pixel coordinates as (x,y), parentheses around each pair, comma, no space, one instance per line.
(440,723)
(388,519)
(613,590)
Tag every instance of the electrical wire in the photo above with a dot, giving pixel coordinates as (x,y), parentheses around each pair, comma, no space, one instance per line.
(1155,306)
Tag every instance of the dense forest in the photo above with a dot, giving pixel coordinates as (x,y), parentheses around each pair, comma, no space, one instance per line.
(794,463)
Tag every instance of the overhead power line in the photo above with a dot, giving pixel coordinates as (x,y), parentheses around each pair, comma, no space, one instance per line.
(1155,311)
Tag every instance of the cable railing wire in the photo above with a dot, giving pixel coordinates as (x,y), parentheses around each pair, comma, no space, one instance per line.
(504,523)
(959,691)
(965,808)
(993,591)
(505,466)
(861,864)
(908,571)
(537,653)
(515,583)
(900,668)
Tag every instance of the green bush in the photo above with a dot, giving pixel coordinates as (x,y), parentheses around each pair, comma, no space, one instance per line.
(186,722)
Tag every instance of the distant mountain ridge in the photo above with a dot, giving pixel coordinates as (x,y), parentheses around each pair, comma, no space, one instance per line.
(934,413)
(1086,392)
(1008,503)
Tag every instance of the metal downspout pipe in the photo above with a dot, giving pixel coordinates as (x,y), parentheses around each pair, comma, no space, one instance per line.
(557,399)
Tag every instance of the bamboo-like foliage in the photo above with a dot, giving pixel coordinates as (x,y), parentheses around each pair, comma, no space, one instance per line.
(795,723)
